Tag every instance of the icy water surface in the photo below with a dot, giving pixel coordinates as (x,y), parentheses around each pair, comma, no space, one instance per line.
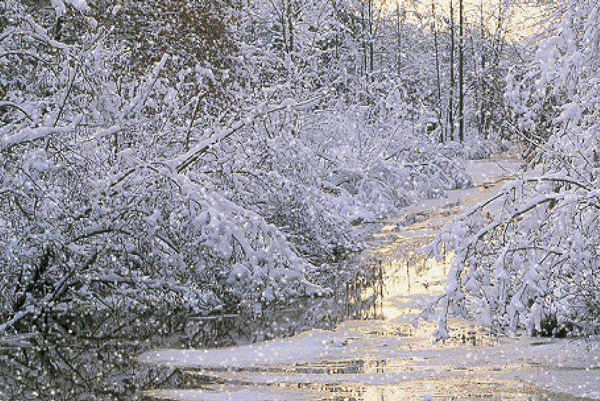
(384,359)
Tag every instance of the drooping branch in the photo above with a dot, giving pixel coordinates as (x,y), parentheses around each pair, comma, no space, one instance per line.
(15,106)
(191,157)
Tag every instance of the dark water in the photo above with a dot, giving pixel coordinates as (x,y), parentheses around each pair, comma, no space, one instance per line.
(90,355)
(394,274)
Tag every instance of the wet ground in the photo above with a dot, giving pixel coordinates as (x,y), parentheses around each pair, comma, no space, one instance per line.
(388,358)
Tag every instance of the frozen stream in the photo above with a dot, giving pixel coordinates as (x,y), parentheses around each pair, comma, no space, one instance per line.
(388,359)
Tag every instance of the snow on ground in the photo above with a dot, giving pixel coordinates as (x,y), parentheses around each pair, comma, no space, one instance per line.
(230,395)
(392,357)
(309,346)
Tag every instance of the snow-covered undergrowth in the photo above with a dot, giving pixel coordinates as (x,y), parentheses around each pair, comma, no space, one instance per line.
(374,170)
(535,265)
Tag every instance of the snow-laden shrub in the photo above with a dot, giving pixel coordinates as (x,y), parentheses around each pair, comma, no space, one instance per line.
(303,212)
(385,187)
(529,257)
(376,166)
(308,172)
(94,208)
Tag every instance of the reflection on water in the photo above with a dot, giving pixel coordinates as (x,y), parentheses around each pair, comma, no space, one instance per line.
(91,356)
(397,280)
(448,388)
(70,368)
(363,296)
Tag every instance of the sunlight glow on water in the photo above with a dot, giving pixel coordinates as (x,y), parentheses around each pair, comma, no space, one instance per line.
(394,360)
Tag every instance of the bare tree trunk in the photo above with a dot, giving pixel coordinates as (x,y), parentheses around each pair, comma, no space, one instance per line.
(452,83)
(290,10)
(371,34)
(284,29)
(461,75)
(481,77)
(363,25)
(399,39)
(437,71)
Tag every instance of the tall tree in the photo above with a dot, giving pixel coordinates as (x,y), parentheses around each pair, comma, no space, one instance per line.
(399,17)
(452,81)
(461,74)
(438,78)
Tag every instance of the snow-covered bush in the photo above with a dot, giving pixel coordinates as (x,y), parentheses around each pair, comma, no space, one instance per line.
(529,258)
(94,209)
(374,165)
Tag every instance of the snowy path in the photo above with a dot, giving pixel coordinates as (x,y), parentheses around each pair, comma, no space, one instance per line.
(389,359)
